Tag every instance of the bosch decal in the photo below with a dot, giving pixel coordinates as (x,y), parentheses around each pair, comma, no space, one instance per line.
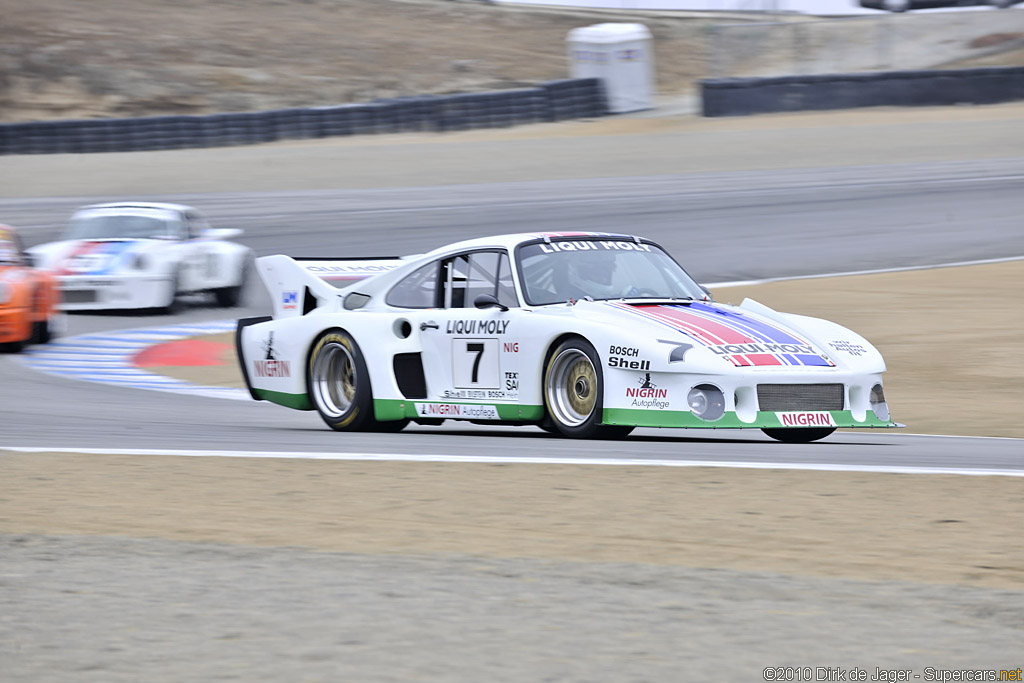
(616,359)
(290,300)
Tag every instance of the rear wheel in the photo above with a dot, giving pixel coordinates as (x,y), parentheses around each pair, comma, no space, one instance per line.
(173,304)
(799,434)
(229,297)
(40,331)
(339,385)
(40,328)
(574,390)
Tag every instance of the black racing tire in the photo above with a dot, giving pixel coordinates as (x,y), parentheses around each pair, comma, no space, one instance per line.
(13,347)
(613,432)
(574,390)
(798,434)
(230,297)
(339,383)
(174,304)
(388,427)
(40,332)
(40,328)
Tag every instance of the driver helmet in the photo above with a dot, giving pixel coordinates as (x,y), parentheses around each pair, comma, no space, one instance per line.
(592,272)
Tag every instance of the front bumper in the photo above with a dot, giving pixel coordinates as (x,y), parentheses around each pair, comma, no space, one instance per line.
(762,420)
(90,293)
(753,399)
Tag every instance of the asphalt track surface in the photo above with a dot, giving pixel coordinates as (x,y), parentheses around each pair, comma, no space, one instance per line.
(721,226)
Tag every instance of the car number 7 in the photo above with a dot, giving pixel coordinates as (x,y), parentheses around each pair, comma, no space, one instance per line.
(478,349)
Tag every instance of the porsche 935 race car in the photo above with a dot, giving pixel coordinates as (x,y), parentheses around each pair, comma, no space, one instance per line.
(28,296)
(143,255)
(583,334)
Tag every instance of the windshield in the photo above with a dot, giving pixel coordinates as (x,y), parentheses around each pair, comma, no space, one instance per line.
(98,226)
(601,269)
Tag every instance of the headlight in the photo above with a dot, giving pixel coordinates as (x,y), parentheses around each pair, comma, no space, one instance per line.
(706,401)
(878,405)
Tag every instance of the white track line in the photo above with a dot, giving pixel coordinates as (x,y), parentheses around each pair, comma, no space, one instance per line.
(518,460)
(877,271)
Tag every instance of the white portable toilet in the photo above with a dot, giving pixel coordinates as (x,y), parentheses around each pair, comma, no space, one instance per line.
(622,55)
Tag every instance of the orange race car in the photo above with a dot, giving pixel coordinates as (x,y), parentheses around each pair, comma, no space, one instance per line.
(28,296)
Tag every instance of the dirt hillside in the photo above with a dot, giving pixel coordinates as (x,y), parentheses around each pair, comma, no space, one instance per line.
(83,59)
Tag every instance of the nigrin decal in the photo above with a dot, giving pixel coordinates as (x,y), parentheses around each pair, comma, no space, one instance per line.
(647,395)
(270,366)
(808,419)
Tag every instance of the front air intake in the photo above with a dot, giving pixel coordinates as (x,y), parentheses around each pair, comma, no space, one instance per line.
(790,397)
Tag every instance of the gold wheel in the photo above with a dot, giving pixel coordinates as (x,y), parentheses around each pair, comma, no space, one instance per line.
(572,387)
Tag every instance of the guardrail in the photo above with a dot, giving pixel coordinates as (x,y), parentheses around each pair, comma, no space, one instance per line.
(550,101)
(741,96)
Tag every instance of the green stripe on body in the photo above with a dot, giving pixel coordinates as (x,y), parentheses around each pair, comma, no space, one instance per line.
(385,409)
(296,401)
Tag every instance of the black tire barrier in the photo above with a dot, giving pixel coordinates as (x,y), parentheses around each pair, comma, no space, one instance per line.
(743,96)
(552,101)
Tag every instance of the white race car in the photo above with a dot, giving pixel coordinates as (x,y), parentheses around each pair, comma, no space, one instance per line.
(583,334)
(143,255)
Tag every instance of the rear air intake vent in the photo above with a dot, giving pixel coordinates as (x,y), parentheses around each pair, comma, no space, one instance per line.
(786,397)
(409,375)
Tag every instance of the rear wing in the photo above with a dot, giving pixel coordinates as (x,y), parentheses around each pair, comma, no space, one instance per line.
(298,285)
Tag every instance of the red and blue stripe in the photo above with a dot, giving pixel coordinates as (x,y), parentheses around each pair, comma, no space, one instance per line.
(739,338)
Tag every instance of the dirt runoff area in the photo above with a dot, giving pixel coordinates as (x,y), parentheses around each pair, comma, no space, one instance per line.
(941,378)
(933,528)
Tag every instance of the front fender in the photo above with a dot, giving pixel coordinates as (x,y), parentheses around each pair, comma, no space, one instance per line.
(846,348)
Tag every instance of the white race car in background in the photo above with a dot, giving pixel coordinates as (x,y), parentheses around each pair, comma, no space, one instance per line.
(134,255)
(585,334)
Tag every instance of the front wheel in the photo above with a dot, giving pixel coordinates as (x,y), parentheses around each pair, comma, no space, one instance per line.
(574,390)
(799,434)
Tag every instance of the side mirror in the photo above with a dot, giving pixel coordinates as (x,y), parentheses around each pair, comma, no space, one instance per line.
(30,260)
(488,301)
